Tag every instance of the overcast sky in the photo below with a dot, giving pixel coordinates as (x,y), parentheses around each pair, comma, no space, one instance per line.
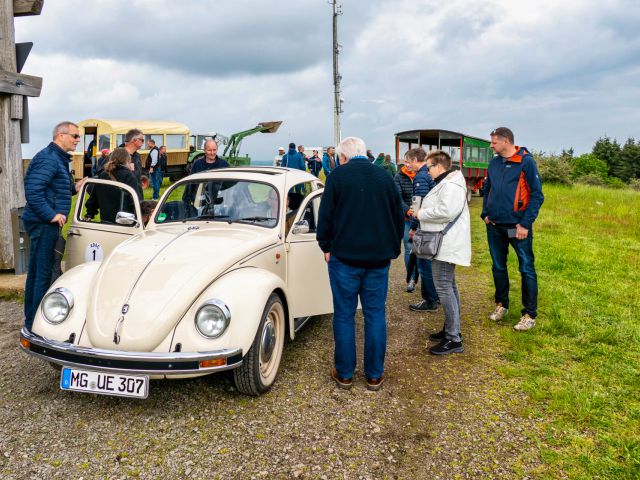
(559,73)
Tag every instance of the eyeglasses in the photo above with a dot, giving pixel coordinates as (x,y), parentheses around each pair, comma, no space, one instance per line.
(74,135)
(429,167)
(140,139)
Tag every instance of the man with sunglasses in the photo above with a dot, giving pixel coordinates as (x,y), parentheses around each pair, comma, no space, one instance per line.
(48,188)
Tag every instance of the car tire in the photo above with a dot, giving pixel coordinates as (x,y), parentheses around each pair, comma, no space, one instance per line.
(260,365)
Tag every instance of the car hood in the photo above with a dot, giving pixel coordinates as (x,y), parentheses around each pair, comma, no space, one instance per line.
(147,284)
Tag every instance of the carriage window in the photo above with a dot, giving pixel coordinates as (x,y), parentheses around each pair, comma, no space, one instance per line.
(104,142)
(176,141)
(158,138)
(102,203)
(120,139)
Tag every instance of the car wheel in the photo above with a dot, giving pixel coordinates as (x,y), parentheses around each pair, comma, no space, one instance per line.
(260,365)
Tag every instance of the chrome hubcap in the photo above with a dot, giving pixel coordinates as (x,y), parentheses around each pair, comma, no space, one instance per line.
(268,341)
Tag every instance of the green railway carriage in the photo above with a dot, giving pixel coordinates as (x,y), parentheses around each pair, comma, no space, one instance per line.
(470,154)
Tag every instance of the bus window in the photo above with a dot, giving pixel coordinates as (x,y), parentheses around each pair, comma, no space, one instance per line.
(119,139)
(176,141)
(158,138)
(467,154)
(104,141)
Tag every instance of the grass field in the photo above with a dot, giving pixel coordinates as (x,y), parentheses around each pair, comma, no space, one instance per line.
(581,363)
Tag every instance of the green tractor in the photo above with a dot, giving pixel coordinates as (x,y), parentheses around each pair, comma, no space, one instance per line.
(231,151)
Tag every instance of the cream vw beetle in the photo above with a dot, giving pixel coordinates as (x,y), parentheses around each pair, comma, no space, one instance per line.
(227,266)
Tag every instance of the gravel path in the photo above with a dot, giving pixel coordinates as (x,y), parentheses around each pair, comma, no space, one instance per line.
(451,417)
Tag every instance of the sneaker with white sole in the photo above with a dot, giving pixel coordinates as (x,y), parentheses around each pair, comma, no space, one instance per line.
(525,323)
(411,286)
(499,313)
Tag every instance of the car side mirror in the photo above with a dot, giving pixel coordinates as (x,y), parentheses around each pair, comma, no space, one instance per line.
(300,227)
(126,218)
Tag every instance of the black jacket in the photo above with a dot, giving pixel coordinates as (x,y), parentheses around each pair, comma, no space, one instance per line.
(108,200)
(361,220)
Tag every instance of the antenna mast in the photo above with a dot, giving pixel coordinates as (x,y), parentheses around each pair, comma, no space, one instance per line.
(336,74)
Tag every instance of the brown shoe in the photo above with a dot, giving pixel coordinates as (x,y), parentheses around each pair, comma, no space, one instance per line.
(374,384)
(345,383)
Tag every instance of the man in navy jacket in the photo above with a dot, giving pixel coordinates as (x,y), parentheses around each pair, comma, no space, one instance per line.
(512,199)
(48,188)
(360,225)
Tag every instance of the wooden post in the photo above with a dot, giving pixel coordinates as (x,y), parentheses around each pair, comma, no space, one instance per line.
(11,91)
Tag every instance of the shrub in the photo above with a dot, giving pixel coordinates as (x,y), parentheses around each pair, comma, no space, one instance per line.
(554,169)
(634,184)
(589,164)
(615,182)
(592,179)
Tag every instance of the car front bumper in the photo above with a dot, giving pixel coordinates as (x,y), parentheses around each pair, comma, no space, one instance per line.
(116,361)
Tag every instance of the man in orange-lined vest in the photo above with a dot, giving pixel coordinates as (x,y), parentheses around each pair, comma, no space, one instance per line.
(512,199)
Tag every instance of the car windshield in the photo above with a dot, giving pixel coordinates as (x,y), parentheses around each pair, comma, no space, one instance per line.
(224,201)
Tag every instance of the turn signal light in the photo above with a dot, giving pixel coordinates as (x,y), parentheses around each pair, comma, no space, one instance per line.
(25,343)
(216,362)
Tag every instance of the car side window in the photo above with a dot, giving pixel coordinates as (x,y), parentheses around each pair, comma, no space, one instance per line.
(101,204)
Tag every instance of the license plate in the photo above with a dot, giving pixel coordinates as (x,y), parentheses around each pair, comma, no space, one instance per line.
(104,383)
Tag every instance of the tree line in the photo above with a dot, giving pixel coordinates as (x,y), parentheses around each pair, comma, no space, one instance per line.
(609,164)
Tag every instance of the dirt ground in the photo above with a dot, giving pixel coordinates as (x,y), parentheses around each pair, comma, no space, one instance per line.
(436,417)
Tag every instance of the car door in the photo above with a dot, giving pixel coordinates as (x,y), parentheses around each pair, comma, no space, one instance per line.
(93,239)
(307,273)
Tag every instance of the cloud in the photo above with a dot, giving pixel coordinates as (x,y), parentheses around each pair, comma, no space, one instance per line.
(559,73)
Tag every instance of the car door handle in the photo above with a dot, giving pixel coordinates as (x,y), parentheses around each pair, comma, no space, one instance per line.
(75,233)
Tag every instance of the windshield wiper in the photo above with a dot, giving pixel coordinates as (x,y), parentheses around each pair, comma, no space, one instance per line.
(255,219)
(209,216)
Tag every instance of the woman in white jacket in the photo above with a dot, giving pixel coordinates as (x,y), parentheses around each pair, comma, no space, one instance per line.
(445,203)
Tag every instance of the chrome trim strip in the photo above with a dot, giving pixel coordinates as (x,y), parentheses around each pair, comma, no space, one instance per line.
(128,356)
(300,322)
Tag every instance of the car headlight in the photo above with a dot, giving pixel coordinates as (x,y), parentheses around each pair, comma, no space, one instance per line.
(212,318)
(57,305)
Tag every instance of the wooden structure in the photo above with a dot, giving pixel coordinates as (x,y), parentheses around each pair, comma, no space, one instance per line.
(14,88)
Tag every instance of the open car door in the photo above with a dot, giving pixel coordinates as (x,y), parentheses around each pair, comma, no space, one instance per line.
(307,272)
(106,214)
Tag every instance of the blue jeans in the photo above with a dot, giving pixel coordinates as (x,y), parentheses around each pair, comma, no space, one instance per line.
(370,284)
(427,287)
(499,243)
(42,242)
(407,249)
(156,182)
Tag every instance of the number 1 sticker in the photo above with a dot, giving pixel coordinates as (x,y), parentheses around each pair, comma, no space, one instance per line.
(94,252)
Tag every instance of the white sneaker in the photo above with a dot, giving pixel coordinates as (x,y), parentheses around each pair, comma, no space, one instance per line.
(499,313)
(525,323)
(411,286)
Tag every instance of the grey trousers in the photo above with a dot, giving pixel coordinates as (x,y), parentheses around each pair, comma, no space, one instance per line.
(444,277)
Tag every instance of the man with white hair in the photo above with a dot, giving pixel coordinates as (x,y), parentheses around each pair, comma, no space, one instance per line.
(360,226)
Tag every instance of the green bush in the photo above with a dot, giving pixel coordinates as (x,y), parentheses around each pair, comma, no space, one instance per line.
(592,179)
(554,169)
(589,164)
(634,184)
(615,182)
